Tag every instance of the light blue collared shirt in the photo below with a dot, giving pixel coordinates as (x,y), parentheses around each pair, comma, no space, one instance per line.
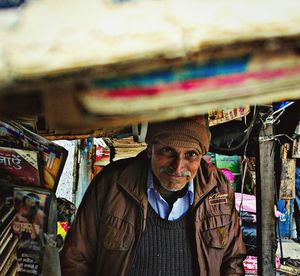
(161,207)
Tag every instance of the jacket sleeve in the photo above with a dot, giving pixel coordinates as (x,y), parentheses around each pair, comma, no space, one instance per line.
(236,251)
(79,251)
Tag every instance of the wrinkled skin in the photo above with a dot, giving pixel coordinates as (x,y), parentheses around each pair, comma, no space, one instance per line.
(173,167)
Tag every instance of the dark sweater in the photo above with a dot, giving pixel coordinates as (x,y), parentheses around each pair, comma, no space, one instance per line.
(165,248)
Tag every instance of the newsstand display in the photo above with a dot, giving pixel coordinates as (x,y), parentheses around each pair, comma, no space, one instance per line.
(30,168)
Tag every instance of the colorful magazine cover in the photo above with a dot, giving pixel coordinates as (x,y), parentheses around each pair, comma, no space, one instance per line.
(32,208)
(20,167)
(53,156)
(30,225)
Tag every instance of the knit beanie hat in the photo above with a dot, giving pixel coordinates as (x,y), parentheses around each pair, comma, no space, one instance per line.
(183,132)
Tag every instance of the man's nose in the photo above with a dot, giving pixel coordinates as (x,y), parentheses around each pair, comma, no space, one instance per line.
(178,164)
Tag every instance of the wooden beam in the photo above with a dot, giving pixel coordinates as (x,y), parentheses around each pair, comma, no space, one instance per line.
(265,195)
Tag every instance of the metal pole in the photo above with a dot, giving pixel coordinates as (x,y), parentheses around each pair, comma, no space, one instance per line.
(265,196)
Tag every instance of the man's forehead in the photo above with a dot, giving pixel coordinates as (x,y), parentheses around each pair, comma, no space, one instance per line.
(176,148)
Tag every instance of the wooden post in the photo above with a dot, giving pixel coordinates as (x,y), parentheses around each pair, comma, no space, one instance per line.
(265,195)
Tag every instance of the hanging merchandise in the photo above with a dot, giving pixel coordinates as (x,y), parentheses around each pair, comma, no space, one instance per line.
(222,116)
(296,143)
(232,164)
(30,168)
(102,152)
(287,177)
(229,165)
(246,206)
(251,265)
(232,139)
(65,211)
(286,208)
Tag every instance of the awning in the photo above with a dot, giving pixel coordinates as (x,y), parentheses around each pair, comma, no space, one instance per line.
(90,65)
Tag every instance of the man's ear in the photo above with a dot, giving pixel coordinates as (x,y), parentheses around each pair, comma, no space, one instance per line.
(149,151)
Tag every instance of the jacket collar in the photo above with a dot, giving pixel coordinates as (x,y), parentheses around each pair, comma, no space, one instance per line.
(205,181)
(134,181)
(134,177)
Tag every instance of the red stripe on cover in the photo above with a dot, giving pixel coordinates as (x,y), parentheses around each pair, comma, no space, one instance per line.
(196,84)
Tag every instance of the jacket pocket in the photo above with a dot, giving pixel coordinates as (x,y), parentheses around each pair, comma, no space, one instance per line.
(116,233)
(215,231)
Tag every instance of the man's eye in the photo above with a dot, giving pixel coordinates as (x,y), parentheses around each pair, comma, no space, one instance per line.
(167,151)
(192,154)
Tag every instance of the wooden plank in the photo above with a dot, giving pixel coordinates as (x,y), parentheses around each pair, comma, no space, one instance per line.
(287,270)
(287,176)
(55,80)
(174,32)
(287,179)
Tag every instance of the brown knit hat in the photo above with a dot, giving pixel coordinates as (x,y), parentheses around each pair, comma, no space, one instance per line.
(183,132)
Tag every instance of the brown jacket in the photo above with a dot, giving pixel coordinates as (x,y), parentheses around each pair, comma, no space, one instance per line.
(110,221)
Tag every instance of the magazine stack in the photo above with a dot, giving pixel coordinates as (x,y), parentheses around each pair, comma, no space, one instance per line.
(30,168)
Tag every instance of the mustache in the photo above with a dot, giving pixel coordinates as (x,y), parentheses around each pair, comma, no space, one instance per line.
(171,171)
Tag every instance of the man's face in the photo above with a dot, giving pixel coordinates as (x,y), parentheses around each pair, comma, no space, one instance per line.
(174,166)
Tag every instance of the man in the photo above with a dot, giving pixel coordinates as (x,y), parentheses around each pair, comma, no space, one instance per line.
(164,212)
